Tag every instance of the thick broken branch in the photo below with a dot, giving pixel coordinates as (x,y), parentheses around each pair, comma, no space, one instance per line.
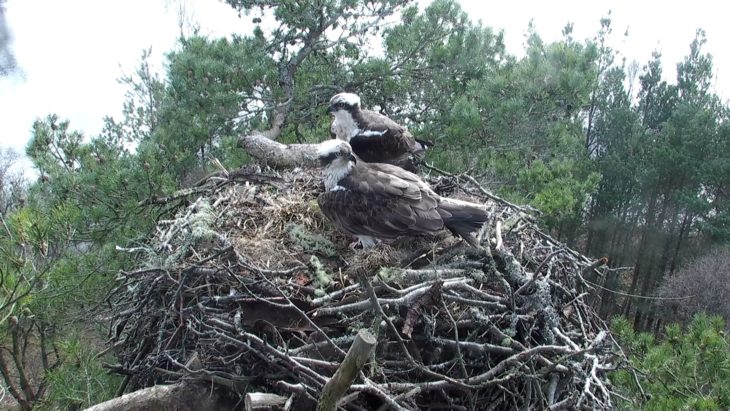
(356,357)
(263,401)
(278,155)
(181,397)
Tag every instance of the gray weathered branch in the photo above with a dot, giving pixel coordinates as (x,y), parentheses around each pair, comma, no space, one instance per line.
(181,396)
(263,401)
(344,376)
(278,155)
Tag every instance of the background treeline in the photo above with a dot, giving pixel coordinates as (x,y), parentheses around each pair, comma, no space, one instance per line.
(622,163)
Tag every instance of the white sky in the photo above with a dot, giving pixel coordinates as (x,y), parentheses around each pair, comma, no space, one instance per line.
(72,52)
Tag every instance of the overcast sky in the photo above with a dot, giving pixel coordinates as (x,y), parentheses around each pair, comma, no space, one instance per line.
(72,52)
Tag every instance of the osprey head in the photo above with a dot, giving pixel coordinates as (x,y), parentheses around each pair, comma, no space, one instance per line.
(338,161)
(344,101)
(335,151)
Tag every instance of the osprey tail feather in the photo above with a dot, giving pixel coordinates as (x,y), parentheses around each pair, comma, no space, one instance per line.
(463,218)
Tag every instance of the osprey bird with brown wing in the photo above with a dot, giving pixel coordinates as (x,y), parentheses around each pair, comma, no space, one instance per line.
(374,137)
(375,201)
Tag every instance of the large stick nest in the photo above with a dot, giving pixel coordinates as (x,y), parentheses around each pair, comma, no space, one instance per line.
(250,288)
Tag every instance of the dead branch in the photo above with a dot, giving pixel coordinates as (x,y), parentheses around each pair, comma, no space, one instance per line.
(278,155)
(427,300)
(263,401)
(181,396)
(356,357)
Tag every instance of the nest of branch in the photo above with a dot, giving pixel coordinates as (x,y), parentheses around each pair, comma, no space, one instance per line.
(256,288)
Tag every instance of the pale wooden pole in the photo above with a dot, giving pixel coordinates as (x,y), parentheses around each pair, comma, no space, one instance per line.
(355,359)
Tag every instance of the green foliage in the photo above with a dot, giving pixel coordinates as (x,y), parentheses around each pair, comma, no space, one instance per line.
(520,123)
(47,280)
(80,381)
(209,83)
(315,47)
(661,162)
(558,189)
(685,370)
(58,252)
(433,57)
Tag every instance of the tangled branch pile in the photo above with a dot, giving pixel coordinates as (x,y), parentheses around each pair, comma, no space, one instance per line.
(253,283)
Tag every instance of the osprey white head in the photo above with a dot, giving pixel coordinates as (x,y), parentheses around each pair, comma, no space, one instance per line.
(344,101)
(333,148)
(337,158)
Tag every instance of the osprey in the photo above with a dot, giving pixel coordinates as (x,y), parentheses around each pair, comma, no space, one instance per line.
(375,201)
(374,137)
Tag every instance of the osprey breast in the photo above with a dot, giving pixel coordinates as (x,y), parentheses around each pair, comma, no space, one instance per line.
(344,126)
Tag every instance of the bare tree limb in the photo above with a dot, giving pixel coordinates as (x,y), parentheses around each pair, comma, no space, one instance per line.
(278,155)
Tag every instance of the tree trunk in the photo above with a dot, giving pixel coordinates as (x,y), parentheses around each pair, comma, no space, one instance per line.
(642,304)
(683,232)
(643,243)
(589,240)
(653,271)
(669,241)
(619,259)
(619,231)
